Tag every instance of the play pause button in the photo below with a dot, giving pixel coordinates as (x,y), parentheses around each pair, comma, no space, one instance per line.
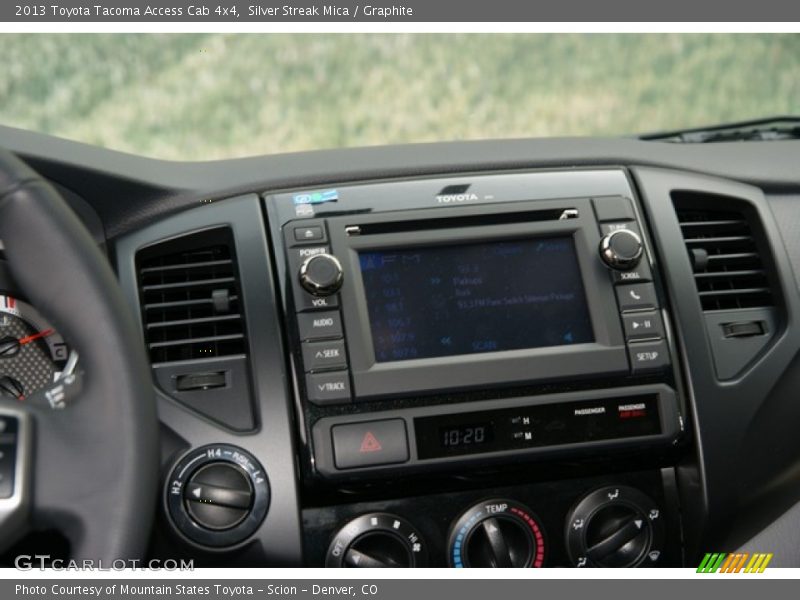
(370,443)
(641,326)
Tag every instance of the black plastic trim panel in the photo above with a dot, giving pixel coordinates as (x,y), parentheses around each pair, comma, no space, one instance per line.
(279,536)
(746,428)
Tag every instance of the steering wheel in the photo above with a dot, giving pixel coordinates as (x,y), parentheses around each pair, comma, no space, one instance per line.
(89,470)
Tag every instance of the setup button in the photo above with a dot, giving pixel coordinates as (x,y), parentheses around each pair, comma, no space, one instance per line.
(648,356)
(370,443)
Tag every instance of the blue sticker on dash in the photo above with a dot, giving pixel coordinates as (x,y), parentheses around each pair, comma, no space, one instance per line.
(317,197)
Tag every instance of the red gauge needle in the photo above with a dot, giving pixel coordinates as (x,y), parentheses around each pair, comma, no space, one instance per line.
(35,336)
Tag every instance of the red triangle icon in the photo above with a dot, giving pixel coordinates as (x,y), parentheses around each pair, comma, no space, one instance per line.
(370,443)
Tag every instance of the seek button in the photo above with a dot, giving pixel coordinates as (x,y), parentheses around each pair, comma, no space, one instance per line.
(324,355)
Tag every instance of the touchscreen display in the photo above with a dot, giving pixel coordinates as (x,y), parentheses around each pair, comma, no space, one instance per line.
(426,302)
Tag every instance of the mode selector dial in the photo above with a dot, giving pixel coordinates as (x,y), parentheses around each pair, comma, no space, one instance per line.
(321,275)
(621,249)
(615,526)
(217,495)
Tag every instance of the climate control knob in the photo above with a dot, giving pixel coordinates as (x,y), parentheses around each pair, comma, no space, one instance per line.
(621,249)
(615,526)
(497,533)
(321,275)
(377,540)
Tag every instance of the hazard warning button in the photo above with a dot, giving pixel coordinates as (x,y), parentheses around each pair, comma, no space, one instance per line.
(370,443)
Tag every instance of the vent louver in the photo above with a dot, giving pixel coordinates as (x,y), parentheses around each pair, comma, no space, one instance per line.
(190,298)
(723,246)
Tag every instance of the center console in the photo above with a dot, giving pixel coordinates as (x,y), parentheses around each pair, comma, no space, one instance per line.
(445,330)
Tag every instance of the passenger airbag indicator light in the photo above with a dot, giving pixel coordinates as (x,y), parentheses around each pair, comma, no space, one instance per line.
(632,411)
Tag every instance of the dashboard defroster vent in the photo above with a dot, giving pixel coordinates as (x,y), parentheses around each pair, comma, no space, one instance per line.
(190,297)
(723,240)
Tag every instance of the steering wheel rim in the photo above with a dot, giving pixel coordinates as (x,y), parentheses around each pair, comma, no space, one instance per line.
(90,470)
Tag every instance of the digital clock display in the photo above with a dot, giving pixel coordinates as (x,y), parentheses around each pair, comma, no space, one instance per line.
(455,438)
(536,426)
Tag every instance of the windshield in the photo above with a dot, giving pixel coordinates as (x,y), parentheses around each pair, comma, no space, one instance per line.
(198,97)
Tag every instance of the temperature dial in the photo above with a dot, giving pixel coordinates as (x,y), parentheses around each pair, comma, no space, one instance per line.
(615,526)
(321,275)
(497,533)
(377,540)
(621,249)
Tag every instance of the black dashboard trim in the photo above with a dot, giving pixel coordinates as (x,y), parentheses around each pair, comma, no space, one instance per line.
(279,535)
(130,191)
(143,199)
(725,411)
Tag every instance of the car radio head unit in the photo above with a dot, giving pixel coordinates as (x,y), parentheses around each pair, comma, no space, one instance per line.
(445,299)
(402,302)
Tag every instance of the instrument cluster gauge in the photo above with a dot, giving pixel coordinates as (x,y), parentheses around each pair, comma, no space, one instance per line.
(33,356)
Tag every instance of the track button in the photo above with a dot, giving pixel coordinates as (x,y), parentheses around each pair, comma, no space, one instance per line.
(370,443)
(332,387)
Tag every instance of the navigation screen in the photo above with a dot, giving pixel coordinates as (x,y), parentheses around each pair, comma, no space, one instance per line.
(473,298)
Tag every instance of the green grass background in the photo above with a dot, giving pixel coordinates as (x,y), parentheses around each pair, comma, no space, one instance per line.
(209,96)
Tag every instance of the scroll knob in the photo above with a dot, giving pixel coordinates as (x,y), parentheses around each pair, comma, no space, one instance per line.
(621,249)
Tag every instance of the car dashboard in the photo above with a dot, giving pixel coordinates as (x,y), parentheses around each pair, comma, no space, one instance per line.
(516,353)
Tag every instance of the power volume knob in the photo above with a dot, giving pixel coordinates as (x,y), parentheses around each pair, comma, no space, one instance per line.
(621,249)
(321,275)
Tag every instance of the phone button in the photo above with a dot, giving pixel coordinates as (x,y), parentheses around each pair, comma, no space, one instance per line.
(636,296)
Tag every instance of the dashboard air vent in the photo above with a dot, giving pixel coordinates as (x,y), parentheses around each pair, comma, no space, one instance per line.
(190,297)
(722,238)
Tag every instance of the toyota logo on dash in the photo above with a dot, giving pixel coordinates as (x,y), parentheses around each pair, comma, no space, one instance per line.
(453,194)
